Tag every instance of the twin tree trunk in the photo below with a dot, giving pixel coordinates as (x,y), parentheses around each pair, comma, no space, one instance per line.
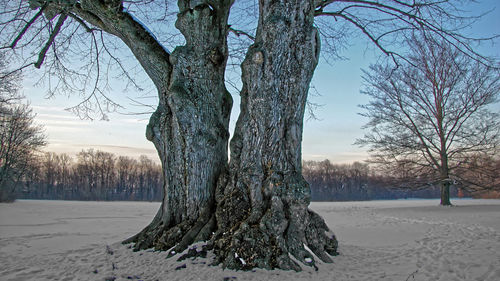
(254,212)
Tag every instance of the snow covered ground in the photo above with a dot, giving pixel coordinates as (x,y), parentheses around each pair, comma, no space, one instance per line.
(379,240)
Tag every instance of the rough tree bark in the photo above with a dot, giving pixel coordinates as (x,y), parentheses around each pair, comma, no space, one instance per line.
(445,181)
(257,207)
(190,130)
(443,155)
(445,192)
(262,203)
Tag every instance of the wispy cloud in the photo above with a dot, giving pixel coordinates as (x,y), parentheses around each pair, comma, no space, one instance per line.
(135,121)
(51,116)
(51,109)
(339,158)
(64,128)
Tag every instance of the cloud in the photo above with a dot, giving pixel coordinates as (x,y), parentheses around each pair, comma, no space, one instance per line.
(122,148)
(339,157)
(315,156)
(57,128)
(51,116)
(135,121)
(51,109)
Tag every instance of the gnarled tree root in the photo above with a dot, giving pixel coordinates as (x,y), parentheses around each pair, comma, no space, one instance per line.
(176,238)
(283,237)
(282,233)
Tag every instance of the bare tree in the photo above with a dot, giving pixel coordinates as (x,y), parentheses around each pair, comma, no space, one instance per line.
(480,174)
(126,169)
(96,172)
(9,84)
(54,176)
(20,137)
(254,209)
(430,118)
(20,140)
(96,175)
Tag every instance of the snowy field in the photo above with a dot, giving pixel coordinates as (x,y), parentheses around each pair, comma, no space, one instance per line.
(379,240)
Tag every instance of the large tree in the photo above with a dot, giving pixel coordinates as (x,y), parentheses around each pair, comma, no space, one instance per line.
(430,117)
(253,209)
(20,137)
(20,140)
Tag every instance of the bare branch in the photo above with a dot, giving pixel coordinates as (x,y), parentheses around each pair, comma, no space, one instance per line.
(241,32)
(57,28)
(27,26)
(431,114)
(383,21)
(82,23)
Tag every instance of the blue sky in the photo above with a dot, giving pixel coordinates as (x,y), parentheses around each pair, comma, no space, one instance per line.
(330,137)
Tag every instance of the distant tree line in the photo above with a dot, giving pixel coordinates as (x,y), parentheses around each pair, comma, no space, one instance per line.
(348,182)
(99,175)
(362,181)
(93,175)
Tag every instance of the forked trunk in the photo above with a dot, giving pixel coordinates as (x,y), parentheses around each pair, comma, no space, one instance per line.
(262,205)
(190,130)
(259,209)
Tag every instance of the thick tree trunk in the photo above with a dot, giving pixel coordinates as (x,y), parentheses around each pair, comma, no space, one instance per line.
(445,173)
(190,130)
(445,192)
(262,213)
(257,205)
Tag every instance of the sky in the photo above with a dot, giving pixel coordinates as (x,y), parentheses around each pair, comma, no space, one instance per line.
(330,136)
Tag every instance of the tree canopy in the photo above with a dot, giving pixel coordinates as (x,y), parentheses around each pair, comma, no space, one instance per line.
(431,116)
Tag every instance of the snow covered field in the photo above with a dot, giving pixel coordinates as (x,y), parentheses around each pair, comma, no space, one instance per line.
(379,240)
